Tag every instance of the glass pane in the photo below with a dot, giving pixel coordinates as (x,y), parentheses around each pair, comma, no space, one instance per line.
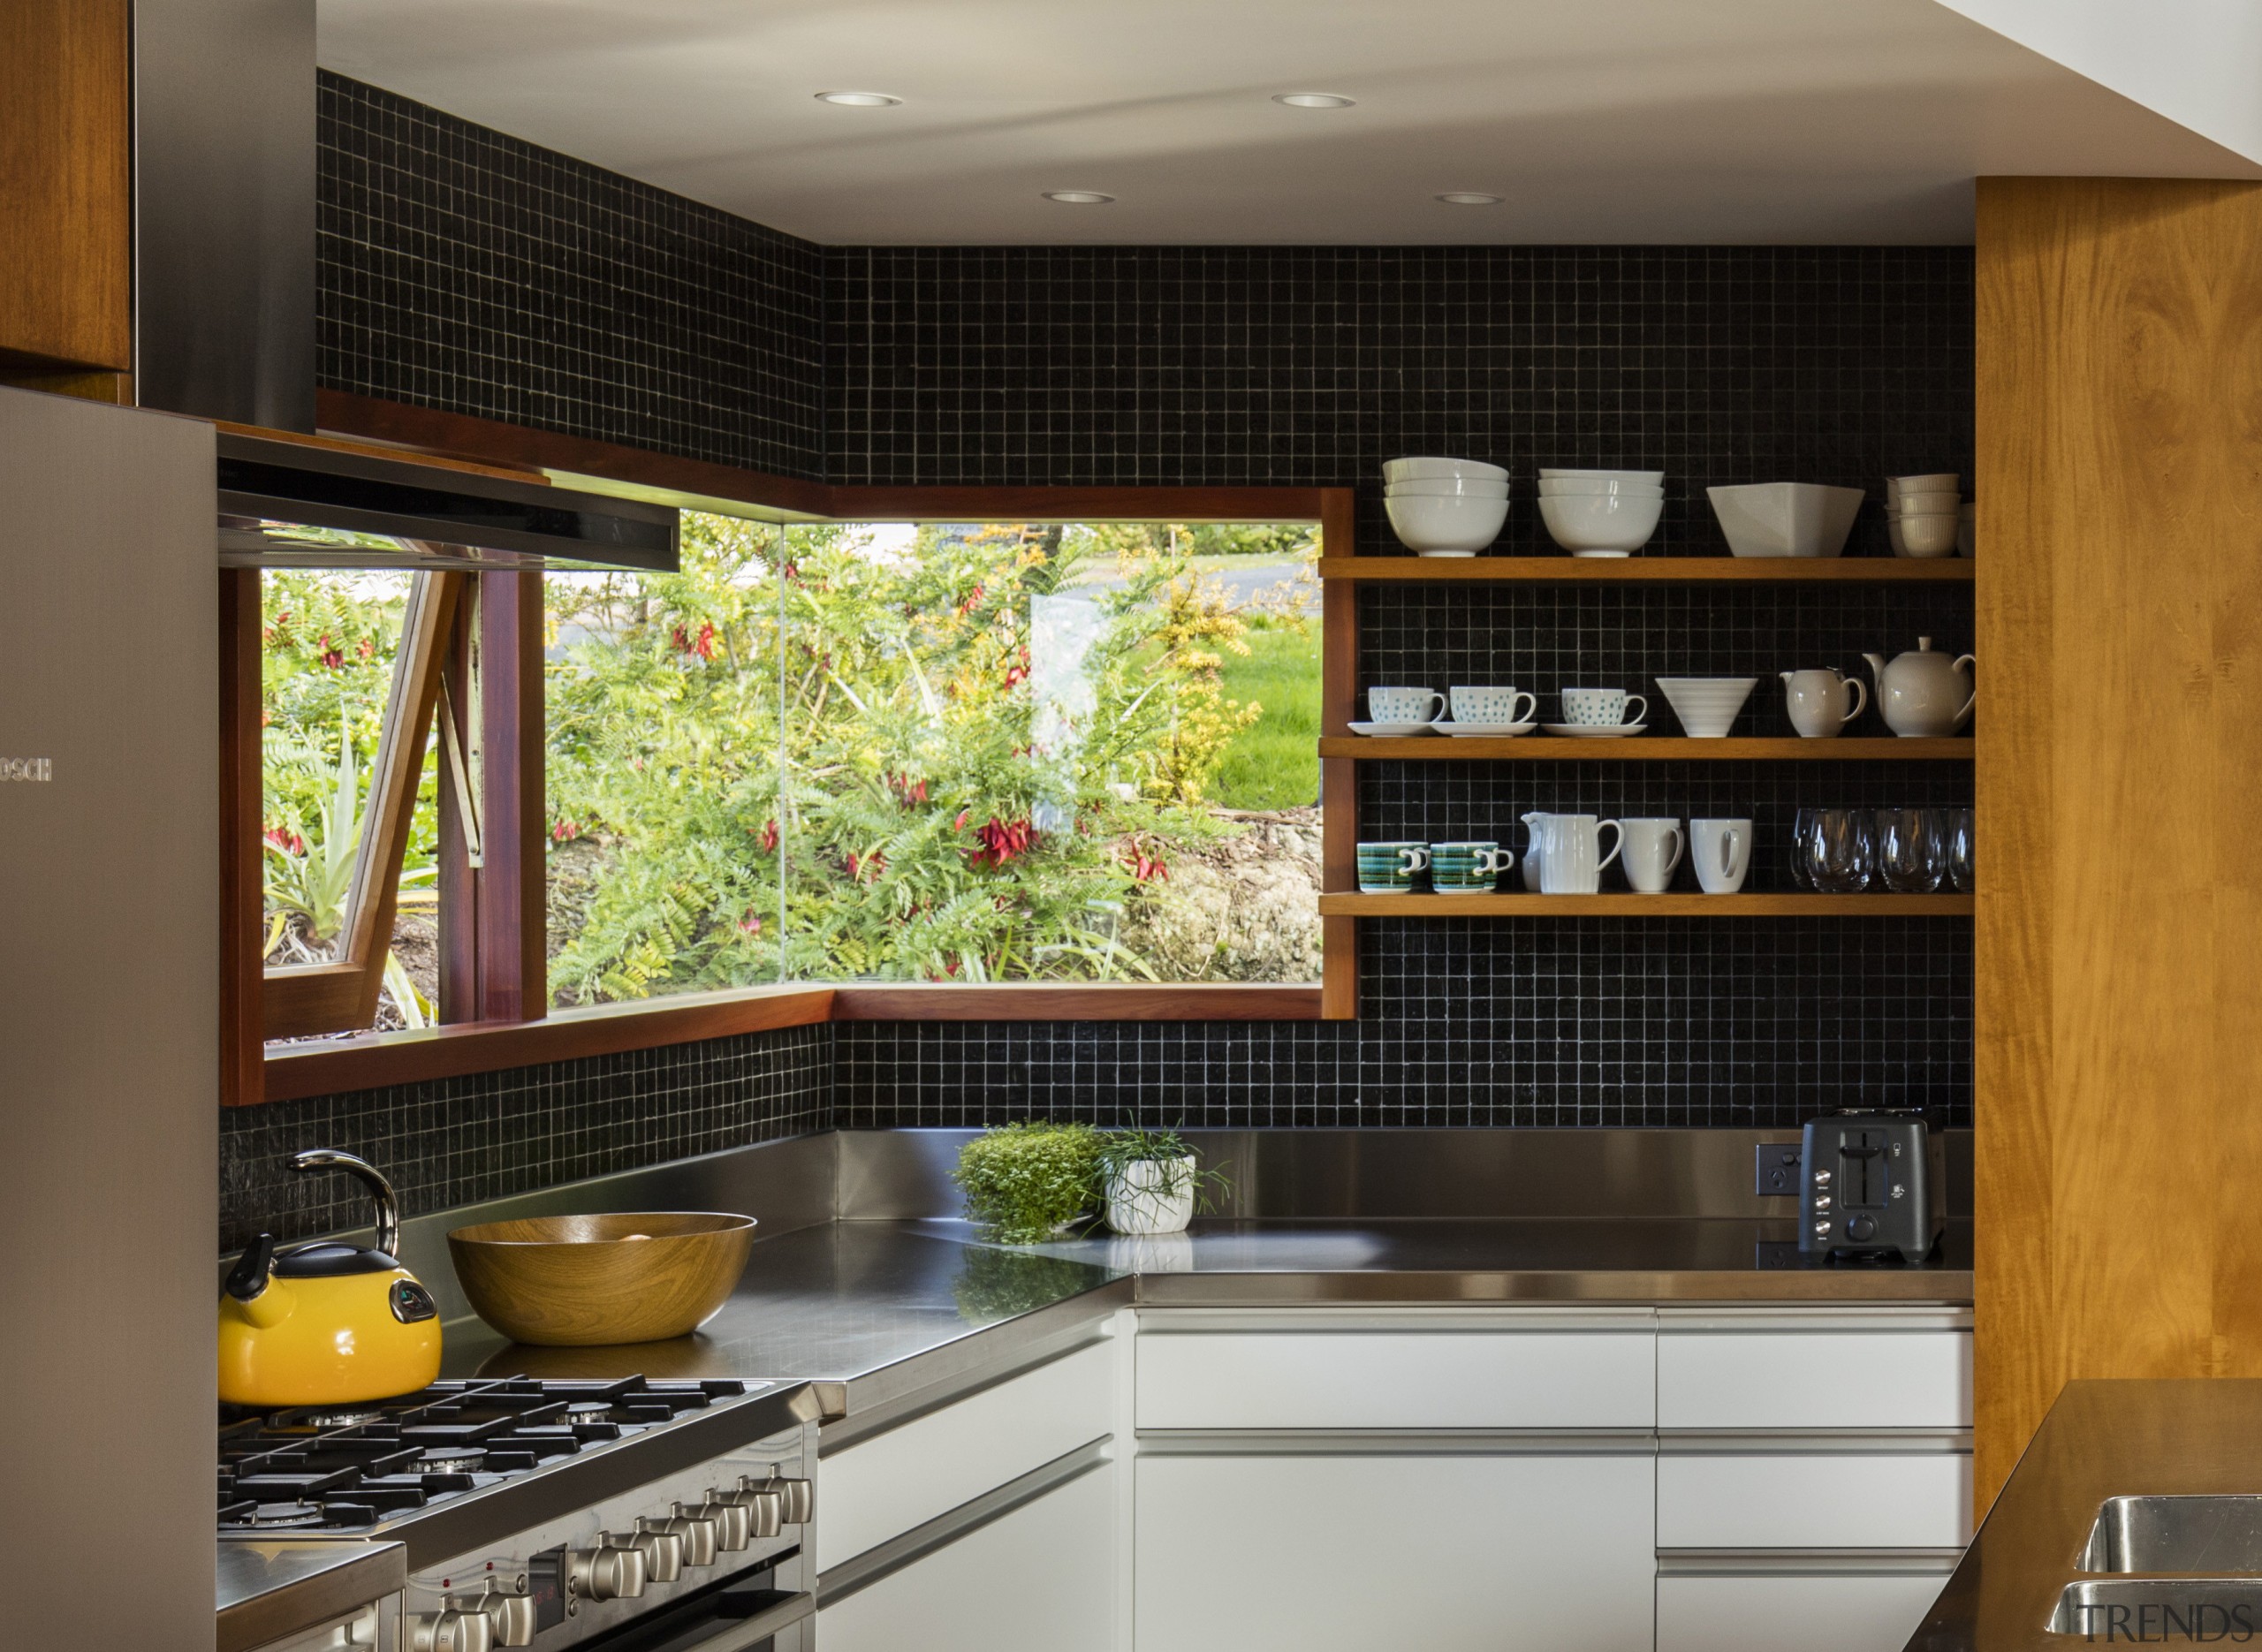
(329,643)
(1020,752)
(663,771)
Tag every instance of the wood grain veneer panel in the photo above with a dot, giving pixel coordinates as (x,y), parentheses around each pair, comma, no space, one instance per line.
(2119,774)
(66,209)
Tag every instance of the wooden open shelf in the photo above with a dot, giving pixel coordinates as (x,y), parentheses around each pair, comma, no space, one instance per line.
(1423,904)
(1445,748)
(1567,569)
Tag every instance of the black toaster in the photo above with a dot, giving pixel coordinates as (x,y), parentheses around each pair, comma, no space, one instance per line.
(1870,1185)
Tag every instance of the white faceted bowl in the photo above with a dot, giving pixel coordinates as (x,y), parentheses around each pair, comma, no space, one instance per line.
(1562,473)
(1786,519)
(1600,521)
(1433,524)
(1462,488)
(1706,706)
(1439,470)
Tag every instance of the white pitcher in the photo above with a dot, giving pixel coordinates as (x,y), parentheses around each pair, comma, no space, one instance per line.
(1571,861)
(1822,703)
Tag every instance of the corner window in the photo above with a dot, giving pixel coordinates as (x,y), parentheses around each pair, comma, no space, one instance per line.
(994,752)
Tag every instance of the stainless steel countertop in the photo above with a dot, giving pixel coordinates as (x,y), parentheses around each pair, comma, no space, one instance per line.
(2102,1439)
(871,1312)
(270,1590)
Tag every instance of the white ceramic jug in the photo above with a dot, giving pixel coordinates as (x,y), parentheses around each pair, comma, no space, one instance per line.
(1571,861)
(1922,692)
(1818,701)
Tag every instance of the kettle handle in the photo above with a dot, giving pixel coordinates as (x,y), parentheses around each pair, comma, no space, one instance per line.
(367,1174)
(249,1277)
(1963,661)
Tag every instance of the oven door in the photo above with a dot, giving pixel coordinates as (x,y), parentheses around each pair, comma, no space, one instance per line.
(747,1613)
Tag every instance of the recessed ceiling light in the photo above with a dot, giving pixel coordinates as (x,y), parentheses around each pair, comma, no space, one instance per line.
(1469,198)
(1078,197)
(1314,99)
(858,100)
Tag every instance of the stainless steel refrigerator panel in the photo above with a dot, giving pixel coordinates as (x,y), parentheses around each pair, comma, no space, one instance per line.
(109,1016)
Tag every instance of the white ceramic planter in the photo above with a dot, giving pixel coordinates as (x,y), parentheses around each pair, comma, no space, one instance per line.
(1139,1200)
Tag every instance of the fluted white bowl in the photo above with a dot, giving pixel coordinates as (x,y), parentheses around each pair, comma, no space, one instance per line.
(1553,472)
(1600,521)
(1931,535)
(1706,706)
(1438,524)
(1927,503)
(1439,469)
(1934,481)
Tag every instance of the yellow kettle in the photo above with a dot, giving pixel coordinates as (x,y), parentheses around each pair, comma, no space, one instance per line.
(326,1323)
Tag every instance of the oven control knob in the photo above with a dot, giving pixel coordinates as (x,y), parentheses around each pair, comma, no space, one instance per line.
(696,1535)
(663,1552)
(733,1520)
(450,1630)
(766,1507)
(510,1617)
(613,1571)
(798,1494)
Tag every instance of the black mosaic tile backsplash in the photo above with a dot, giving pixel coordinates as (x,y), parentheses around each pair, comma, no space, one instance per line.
(467,270)
(471,272)
(457,1140)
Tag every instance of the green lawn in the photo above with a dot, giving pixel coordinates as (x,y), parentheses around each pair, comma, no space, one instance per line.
(1275,763)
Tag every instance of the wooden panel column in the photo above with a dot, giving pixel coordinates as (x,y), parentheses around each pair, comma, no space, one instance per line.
(243,870)
(2119,926)
(1339,783)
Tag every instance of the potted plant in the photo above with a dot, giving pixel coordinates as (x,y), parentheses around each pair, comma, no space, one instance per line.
(1150,1182)
(1025,1183)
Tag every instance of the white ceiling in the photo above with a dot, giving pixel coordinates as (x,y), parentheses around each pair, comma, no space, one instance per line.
(1688,121)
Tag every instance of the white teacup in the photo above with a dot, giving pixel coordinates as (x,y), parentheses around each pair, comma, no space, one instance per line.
(1494,707)
(1404,705)
(1651,850)
(1601,708)
(1721,853)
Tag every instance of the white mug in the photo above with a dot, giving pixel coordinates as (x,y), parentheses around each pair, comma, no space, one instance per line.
(1572,861)
(1404,705)
(1601,708)
(1652,851)
(1492,708)
(1818,701)
(1721,853)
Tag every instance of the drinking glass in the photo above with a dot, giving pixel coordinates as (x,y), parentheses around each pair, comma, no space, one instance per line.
(1840,851)
(1803,834)
(1959,848)
(1911,851)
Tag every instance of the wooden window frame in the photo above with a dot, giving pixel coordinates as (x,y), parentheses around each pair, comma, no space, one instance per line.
(493,987)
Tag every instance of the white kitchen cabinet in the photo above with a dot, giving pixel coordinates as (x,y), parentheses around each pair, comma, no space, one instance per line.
(1883,1367)
(1845,1612)
(1467,1550)
(1040,1578)
(1814,1499)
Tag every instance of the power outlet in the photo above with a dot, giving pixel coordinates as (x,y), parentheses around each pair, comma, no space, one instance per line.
(1775,1173)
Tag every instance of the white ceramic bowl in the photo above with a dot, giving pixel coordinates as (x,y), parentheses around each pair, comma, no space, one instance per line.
(1706,706)
(1556,487)
(1558,473)
(1936,481)
(1436,524)
(1932,534)
(1786,519)
(1928,504)
(1893,533)
(1462,487)
(1439,469)
(1600,521)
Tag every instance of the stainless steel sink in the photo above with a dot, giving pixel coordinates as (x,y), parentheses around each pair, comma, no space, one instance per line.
(2160,1610)
(2194,1533)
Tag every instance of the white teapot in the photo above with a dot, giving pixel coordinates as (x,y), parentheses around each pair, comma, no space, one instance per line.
(1923,693)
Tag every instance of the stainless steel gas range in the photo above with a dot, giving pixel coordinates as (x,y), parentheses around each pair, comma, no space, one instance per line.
(597,1515)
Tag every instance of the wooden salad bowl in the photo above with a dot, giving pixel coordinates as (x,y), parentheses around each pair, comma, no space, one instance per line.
(574,1282)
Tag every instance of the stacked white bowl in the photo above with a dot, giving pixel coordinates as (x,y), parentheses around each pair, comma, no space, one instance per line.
(1444,507)
(1601,513)
(1923,514)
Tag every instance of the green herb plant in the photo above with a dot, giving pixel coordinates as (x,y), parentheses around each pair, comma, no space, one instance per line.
(1119,1149)
(1024,1182)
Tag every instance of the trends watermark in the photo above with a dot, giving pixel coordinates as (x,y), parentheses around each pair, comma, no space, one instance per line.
(2205,1622)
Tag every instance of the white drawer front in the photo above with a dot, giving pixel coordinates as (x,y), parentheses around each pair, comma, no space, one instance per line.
(882,1487)
(1796,1500)
(1834,1379)
(1420,1379)
(1854,1613)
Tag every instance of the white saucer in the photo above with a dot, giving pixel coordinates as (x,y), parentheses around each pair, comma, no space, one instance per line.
(1596,732)
(1486,730)
(1445,553)
(1391,730)
(1602,553)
